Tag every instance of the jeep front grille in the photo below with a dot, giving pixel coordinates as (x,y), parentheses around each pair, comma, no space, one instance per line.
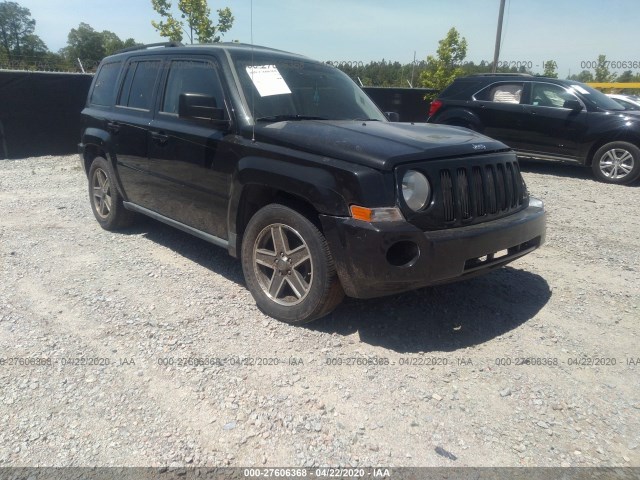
(468,190)
(493,189)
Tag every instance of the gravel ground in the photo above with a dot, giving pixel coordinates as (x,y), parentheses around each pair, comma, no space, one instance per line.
(428,378)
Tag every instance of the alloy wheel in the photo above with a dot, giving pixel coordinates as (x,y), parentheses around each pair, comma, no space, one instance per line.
(283,264)
(102,200)
(616,163)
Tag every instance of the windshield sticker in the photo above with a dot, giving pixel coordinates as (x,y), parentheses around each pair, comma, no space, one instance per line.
(268,81)
(580,89)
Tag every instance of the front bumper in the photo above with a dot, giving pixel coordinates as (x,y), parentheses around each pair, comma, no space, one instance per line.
(374,260)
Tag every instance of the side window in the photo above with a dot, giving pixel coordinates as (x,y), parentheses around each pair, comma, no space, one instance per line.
(187,76)
(140,78)
(104,89)
(501,93)
(549,95)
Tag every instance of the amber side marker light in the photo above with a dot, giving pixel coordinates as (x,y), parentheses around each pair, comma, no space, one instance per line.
(387,214)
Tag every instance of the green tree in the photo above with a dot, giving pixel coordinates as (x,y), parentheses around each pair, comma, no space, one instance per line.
(442,69)
(584,76)
(196,21)
(626,76)
(91,46)
(84,43)
(602,73)
(550,69)
(16,32)
(112,43)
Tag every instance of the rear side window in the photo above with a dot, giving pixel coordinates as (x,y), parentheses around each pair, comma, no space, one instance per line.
(104,88)
(459,88)
(186,76)
(502,93)
(139,82)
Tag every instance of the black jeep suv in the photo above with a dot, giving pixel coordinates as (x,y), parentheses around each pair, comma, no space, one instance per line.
(287,164)
(547,118)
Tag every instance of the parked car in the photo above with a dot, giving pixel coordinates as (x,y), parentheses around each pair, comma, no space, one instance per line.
(287,163)
(629,102)
(547,118)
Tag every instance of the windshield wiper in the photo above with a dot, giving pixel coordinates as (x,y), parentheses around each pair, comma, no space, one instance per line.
(281,118)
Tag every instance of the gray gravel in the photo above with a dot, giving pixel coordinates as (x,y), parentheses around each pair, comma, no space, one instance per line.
(115,314)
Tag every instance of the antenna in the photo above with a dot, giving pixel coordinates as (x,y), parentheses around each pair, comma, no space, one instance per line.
(253,87)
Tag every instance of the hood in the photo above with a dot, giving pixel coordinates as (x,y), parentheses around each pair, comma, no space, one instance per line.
(379,145)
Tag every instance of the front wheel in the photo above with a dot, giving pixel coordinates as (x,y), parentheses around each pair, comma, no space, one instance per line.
(288,267)
(617,162)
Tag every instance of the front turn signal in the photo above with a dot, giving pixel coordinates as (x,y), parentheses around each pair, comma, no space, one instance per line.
(387,214)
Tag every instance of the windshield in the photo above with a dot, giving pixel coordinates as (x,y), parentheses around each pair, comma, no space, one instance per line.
(279,88)
(597,98)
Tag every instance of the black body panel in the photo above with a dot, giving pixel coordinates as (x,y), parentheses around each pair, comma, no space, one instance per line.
(207,176)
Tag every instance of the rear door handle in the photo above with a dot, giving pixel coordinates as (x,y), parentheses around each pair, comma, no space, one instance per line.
(113,127)
(160,137)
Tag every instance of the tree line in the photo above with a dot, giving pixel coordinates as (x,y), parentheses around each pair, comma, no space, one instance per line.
(449,62)
(22,49)
(192,21)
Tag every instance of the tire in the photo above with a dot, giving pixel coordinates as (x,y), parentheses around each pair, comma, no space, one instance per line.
(288,267)
(105,199)
(616,162)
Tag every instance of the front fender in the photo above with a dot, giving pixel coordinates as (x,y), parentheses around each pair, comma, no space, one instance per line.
(330,186)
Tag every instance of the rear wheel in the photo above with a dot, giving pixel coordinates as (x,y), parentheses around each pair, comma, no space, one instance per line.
(288,267)
(617,162)
(106,201)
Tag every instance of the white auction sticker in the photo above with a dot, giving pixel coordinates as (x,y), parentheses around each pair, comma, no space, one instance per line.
(268,80)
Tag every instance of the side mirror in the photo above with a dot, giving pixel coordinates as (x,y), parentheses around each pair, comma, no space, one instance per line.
(200,107)
(574,105)
(392,116)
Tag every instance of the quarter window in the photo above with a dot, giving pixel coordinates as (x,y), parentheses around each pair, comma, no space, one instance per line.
(187,76)
(139,82)
(502,93)
(104,89)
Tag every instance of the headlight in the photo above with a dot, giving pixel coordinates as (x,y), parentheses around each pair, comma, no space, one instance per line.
(415,190)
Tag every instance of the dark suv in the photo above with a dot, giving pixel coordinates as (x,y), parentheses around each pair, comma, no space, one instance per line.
(287,164)
(547,118)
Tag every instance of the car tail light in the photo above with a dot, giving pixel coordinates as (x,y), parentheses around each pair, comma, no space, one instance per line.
(435,106)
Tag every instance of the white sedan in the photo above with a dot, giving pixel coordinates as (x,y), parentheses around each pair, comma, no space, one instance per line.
(629,102)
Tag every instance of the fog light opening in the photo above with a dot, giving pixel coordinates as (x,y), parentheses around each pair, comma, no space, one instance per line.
(403,254)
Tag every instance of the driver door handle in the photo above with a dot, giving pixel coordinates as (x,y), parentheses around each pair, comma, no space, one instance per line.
(113,127)
(160,138)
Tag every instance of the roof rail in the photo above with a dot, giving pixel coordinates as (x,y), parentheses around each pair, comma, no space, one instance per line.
(150,45)
(501,75)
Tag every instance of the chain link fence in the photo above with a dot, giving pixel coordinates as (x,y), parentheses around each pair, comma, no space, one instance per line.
(44,64)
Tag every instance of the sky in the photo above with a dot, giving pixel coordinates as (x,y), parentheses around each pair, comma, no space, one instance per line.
(571,32)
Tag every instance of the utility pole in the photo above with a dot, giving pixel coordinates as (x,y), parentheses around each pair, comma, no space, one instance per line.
(496,53)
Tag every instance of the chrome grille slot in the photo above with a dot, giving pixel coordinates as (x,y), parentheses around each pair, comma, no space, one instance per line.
(447,195)
(491,189)
(511,186)
(500,187)
(478,192)
(463,193)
